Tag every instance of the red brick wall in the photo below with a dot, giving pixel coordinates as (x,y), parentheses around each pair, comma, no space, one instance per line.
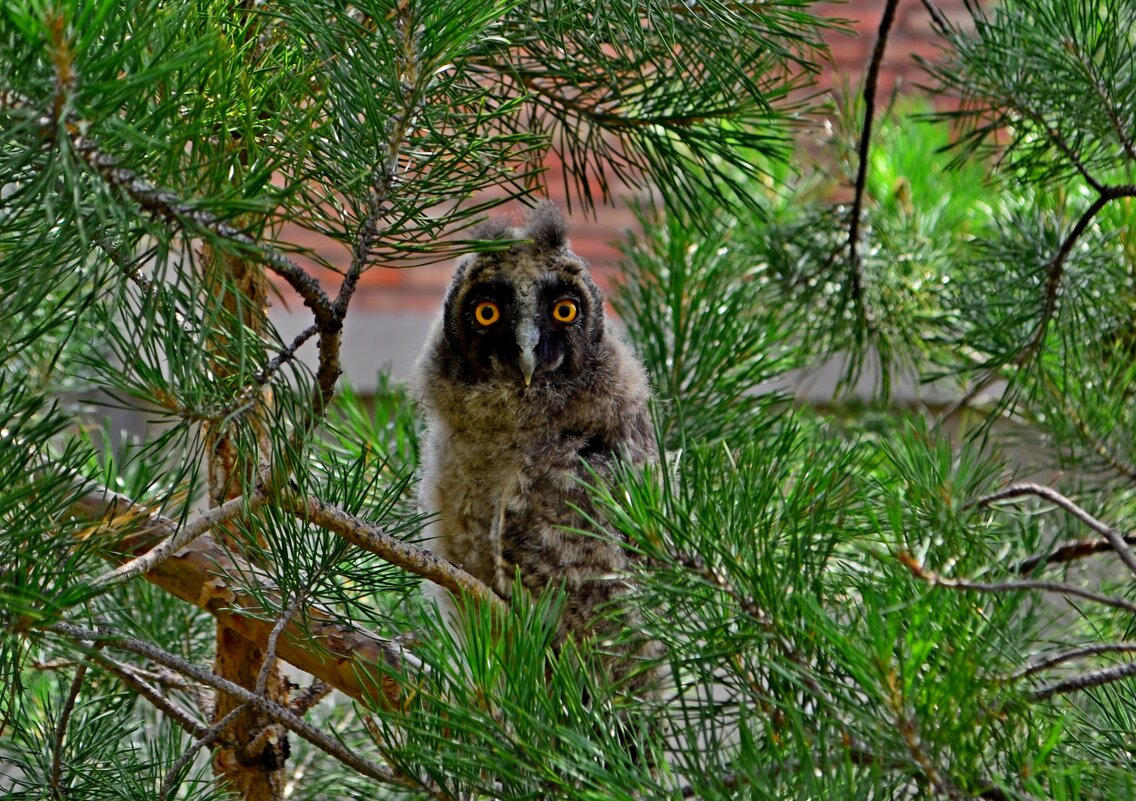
(420,289)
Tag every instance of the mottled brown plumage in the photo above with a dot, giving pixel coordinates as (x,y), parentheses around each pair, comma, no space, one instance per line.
(505,455)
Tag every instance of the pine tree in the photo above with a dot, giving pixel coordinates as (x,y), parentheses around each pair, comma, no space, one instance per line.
(920,589)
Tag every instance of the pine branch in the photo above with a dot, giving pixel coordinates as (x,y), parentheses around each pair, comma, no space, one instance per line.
(168,707)
(264,375)
(1022,585)
(397,552)
(1054,274)
(314,641)
(181,537)
(55,784)
(1056,269)
(1104,97)
(270,709)
(170,207)
(1068,552)
(169,783)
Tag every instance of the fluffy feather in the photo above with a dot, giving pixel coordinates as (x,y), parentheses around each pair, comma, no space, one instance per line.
(503,457)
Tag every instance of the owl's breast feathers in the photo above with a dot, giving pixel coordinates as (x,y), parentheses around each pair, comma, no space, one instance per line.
(504,466)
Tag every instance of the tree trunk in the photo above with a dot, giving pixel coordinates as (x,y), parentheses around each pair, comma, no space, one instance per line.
(252,751)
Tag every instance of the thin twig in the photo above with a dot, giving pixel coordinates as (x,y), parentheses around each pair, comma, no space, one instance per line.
(870,83)
(1068,552)
(61,730)
(1114,537)
(1105,99)
(263,705)
(285,355)
(1020,585)
(1068,151)
(1056,268)
(250,751)
(273,636)
(912,740)
(167,706)
(129,268)
(1084,682)
(403,554)
(169,783)
(1077,653)
(942,25)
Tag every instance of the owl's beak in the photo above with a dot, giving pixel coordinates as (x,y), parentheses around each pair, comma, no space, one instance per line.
(527,339)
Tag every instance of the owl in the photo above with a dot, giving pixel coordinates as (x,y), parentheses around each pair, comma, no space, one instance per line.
(528,395)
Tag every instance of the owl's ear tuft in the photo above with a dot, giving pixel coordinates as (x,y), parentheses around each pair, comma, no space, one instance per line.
(493,229)
(546,227)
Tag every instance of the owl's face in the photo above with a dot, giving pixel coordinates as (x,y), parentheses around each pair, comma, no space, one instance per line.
(527,315)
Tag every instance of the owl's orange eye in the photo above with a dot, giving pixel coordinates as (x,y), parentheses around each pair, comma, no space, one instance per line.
(565,310)
(486,313)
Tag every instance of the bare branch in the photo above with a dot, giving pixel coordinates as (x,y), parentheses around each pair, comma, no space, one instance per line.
(57,790)
(403,554)
(273,637)
(1077,653)
(870,83)
(1068,552)
(169,783)
(1084,682)
(170,708)
(265,373)
(268,708)
(942,26)
(1114,537)
(1012,586)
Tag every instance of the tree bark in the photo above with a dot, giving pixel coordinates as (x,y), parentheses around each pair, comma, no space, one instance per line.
(343,657)
(250,757)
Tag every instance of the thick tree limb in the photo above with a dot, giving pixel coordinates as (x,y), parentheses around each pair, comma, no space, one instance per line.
(344,658)
(183,535)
